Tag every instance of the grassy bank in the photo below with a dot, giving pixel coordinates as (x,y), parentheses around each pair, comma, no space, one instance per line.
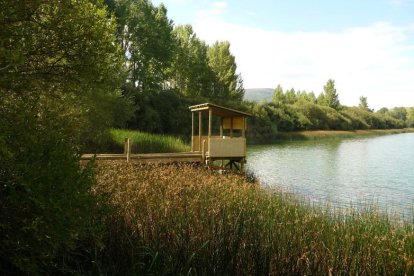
(188,220)
(334,134)
(152,143)
(146,143)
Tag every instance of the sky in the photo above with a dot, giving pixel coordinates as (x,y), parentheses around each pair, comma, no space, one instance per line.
(366,46)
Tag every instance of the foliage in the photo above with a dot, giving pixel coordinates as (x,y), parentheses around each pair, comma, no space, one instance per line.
(227,84)
(410,117)
(59,74)
(190,73)
(329,97)
(292,110)
(186,220)
(163,60)
(148,143)
(363,103)
(45,203)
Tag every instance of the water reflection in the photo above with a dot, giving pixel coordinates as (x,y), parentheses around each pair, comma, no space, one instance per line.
(376,170)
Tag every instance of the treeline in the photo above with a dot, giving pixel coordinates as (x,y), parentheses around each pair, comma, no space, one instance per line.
(169,68)
(292,110)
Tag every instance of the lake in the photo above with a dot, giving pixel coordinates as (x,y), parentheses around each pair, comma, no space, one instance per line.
(342,172)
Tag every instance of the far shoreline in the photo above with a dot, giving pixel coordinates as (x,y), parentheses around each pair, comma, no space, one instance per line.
(331,134)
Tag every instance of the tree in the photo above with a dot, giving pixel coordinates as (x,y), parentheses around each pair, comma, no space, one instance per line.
(330,97)
(410,117)
(278,96)
(290,96)
(190,73)
(399,113)
(383,110)
(145,34)
(59,72)
(310,97)
(363,103)
(227,84)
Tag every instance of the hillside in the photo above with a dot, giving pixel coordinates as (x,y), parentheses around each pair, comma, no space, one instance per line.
(258,94)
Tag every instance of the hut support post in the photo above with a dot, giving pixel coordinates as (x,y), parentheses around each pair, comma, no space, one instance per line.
(192,131)
(200,122)
(231,127)
(210,122)
(221,127)
(127,148)
(244,128)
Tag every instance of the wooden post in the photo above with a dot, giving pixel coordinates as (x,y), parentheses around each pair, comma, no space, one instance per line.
(127,148)
(244,128)
(203,154)
(200,127)
(192,131)
(221,127)
(210,122)
(231,127)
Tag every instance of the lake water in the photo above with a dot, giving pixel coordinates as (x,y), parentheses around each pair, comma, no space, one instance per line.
(344,172)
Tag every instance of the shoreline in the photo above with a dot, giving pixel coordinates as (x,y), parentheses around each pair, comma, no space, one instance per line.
(331,134)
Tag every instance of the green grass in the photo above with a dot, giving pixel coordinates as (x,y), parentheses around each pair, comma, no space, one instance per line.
(148,143)
(189,220)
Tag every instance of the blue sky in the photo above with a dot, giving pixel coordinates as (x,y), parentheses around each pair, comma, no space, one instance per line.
(366,46)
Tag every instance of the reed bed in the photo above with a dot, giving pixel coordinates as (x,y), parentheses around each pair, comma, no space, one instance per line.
(181,219)
(338,134)
(143,142)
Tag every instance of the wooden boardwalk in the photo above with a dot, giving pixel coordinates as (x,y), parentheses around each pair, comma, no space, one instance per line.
(191,157)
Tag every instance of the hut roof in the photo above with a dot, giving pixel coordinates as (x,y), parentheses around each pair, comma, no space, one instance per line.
(219,110)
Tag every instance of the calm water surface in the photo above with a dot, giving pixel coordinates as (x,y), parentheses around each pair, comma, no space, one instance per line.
(347,172)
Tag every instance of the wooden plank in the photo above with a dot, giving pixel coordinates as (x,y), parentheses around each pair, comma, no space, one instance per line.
(148,158)
(210,122)
(229,147)
(238,123)
(200,128)
(192,131)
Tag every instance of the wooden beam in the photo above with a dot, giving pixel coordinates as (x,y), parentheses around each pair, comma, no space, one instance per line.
(221,127)
(231,127)
(200,127)
(210,121)
(192,131)
(244,127)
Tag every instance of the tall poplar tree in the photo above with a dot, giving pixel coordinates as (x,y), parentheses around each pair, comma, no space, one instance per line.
(227,84)
(145,34)
(330,96)
(278,96)
(190,73)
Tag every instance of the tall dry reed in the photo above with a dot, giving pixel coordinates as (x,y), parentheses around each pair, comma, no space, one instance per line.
(181,219)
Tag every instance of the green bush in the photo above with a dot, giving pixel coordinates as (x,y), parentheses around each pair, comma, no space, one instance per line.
(45,204)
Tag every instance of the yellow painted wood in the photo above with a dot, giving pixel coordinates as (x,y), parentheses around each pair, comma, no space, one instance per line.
(196,141)
(227,147)
(210,122)
(200,129)
(192,130)
(238,123)
(148,157)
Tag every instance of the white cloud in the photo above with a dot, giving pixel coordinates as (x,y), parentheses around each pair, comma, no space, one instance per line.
(400,3)
(376,61)
(213,10)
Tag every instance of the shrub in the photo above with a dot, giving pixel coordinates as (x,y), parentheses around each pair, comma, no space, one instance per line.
(45,205)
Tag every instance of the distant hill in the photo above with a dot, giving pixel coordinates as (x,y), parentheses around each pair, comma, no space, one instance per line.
(258,94)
